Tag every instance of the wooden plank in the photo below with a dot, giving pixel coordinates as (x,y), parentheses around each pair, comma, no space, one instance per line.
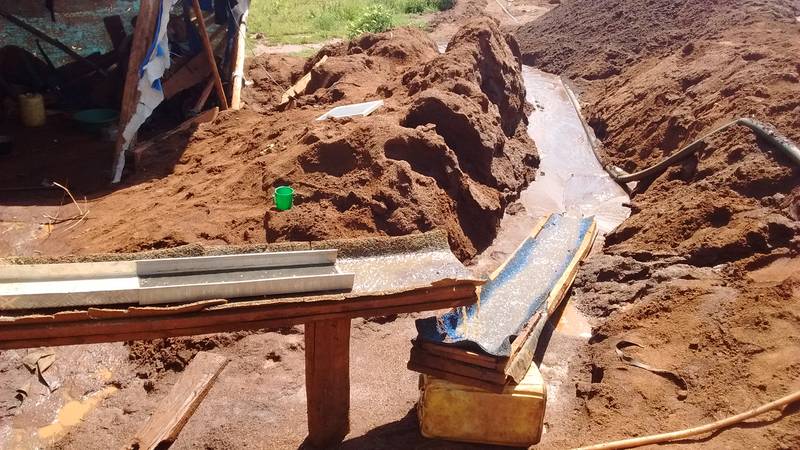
(328,381)
(181,402)
(280,309)
(291,306)
(203,98)
(221,320)
(115,29)
(135,331)
(238,70)
(159,327)
(456,378)
(301,84)
(212,62)
(194,71)
(107,313)
(466,356)
(142,35)
(423,358)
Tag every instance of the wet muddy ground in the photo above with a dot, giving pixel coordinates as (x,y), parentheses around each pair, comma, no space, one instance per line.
(703,275)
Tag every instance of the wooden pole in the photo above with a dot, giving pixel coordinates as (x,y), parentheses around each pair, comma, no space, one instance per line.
(142,37)
(238,70)
(223,101)
(201,101)
(328,381)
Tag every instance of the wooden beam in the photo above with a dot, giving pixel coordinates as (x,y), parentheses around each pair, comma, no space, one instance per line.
(203,98)
(148,327)
(181,402)
(241,316)
(142,36)
(420,356)
(238,69)
(300,86)
(115,29)
(465,356)
(328,381)
(191,73)
(212,61)
(455,378)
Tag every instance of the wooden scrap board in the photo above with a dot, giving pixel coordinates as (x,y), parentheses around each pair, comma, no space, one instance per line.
(181,402)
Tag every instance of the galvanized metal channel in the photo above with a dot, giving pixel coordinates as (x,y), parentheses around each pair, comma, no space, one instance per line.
(169,280)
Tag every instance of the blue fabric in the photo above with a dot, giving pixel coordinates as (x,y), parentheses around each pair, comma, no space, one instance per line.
(445,328)
(153,41)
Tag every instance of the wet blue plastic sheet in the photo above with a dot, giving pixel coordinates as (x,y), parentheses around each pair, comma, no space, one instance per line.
(520,290)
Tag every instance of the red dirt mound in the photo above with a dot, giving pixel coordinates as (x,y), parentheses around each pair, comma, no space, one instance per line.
(597,41)
(729,201)
(447,150)
(703,273)
(271,75)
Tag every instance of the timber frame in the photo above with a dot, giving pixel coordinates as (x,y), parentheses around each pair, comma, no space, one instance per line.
(326,317)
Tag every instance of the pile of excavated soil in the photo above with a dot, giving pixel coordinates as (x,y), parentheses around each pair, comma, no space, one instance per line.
(733,199)
(704,273)
(448,150)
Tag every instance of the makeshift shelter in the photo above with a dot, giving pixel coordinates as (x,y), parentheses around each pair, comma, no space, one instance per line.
(124,58)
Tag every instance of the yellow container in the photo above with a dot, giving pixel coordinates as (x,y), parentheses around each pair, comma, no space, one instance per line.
(31,110)
(463,413)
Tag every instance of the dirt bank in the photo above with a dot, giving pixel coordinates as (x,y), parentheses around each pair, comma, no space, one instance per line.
(447,150)
(684,276)
(410,166)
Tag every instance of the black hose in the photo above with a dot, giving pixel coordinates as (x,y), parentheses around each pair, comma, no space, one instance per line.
(766,131)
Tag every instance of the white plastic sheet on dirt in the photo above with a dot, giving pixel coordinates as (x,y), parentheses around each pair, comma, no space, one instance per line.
(354,110)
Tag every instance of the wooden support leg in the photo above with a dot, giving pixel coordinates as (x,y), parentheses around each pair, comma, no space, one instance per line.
(212,62)
(328,381)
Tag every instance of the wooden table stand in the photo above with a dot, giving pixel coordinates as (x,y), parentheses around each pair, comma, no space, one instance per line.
(328,381)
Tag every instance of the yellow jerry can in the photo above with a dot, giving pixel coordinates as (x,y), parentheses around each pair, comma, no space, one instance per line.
(458,412)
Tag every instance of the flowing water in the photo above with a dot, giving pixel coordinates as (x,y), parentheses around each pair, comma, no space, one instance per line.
(570,180)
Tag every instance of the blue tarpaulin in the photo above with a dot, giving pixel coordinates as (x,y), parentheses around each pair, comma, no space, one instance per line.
(519,291)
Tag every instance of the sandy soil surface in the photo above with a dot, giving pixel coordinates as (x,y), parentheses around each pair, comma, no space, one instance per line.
(404,169)
(704,273)
(448,149)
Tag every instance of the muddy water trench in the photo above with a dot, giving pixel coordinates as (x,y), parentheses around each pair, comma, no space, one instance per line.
(570,180)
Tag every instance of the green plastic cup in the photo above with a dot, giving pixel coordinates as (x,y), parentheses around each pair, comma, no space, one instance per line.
(283,197)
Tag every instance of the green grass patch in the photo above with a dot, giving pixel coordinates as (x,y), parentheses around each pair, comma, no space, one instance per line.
(303,22)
